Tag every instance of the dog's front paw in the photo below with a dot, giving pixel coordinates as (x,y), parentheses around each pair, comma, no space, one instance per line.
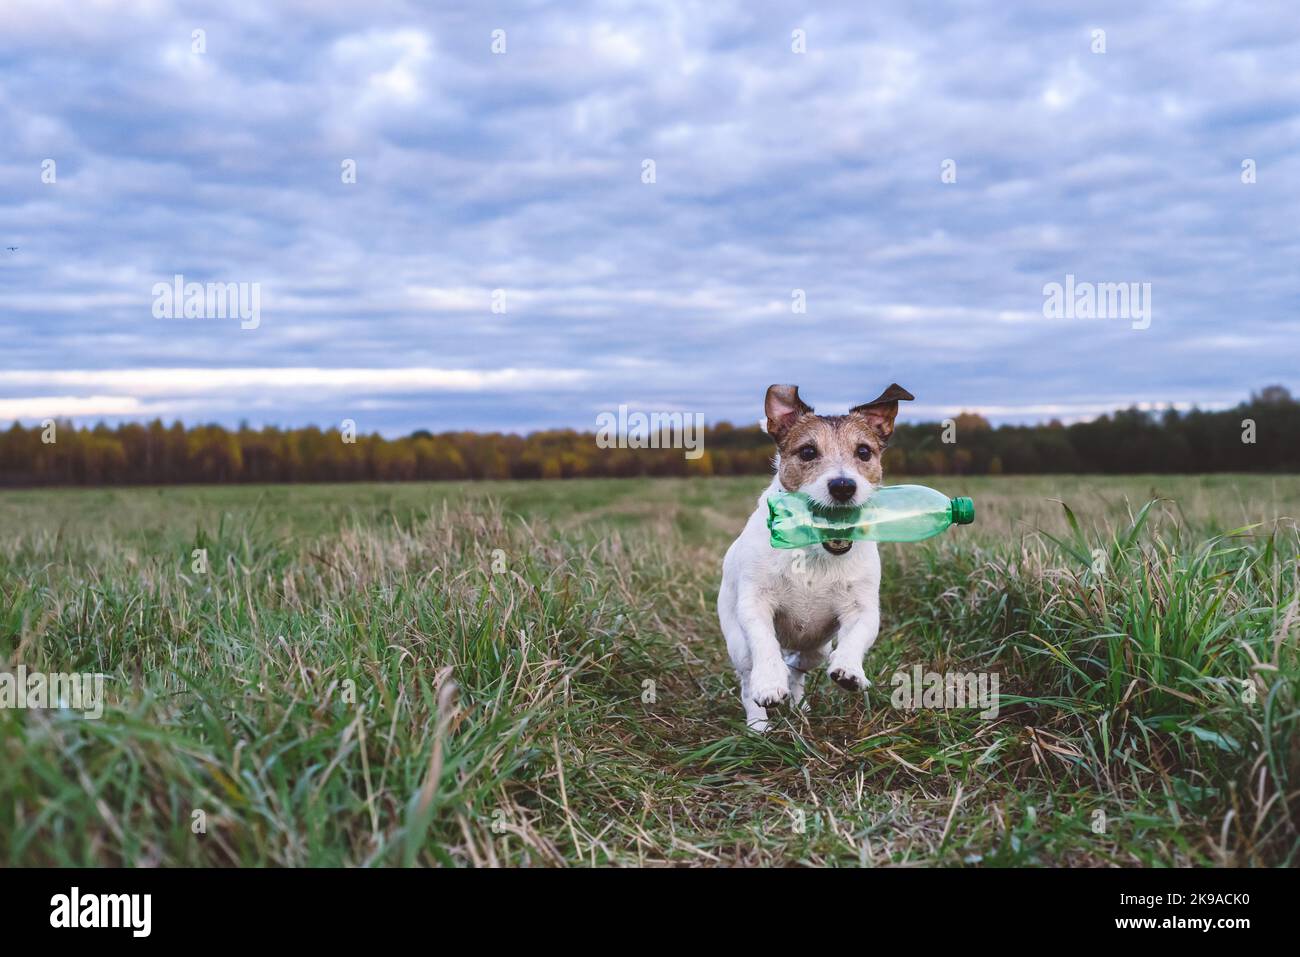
(848,677)
(771,695)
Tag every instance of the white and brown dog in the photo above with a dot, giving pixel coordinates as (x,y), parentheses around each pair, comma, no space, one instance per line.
(781,608)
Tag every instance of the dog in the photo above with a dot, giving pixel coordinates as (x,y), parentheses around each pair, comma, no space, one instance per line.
(780,609)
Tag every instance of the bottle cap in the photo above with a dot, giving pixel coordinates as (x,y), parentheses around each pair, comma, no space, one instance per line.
(963,511)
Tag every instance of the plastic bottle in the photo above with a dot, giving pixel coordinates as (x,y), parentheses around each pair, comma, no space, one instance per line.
(894,513)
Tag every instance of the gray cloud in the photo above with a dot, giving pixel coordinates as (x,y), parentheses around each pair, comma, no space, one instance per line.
(522,172)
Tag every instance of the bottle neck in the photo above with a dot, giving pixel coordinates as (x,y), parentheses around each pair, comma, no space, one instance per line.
(963,511)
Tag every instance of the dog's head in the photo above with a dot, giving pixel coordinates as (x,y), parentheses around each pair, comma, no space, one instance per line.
(834,459)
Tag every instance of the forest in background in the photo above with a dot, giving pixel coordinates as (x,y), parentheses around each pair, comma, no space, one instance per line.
(1260,435)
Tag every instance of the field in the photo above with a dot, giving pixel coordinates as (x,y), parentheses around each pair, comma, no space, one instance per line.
(532,673)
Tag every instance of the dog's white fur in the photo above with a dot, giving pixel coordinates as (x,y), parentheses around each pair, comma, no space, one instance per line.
(781,608)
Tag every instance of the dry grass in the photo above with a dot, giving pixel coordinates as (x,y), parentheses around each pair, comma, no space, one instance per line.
(532,673)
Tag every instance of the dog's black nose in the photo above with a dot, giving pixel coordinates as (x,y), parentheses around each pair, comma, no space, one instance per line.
(841,489)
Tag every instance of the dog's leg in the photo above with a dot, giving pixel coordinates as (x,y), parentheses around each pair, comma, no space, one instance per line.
(755,716)
(800,663)
(798,677)
(769,677)
(855,640)
(741,659)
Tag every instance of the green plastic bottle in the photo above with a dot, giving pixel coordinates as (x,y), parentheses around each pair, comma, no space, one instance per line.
(895,513)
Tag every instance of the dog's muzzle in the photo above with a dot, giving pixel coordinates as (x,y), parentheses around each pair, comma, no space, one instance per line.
(837,546)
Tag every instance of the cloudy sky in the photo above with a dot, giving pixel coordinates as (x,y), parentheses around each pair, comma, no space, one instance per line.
(500,261)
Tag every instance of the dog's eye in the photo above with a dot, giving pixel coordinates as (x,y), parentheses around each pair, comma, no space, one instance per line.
(808,453)
(864,453)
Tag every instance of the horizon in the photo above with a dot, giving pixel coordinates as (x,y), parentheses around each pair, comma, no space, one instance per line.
(1151,410)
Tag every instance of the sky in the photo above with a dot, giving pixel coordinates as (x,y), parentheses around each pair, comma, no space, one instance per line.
(561,209)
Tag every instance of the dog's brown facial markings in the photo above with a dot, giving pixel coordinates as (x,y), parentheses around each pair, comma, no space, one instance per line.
(842,443)
(833,457)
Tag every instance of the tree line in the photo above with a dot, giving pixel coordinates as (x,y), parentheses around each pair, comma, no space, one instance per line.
(1262,434)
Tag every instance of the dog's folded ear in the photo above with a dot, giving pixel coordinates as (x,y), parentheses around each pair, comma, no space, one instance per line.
(783,408)
(880,411)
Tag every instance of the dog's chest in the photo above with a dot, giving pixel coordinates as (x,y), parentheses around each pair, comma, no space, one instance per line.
(808,611)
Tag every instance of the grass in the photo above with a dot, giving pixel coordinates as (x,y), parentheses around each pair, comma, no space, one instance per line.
(532,673)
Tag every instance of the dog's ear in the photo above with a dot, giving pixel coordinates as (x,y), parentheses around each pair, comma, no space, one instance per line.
(783,408)
(880,411)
